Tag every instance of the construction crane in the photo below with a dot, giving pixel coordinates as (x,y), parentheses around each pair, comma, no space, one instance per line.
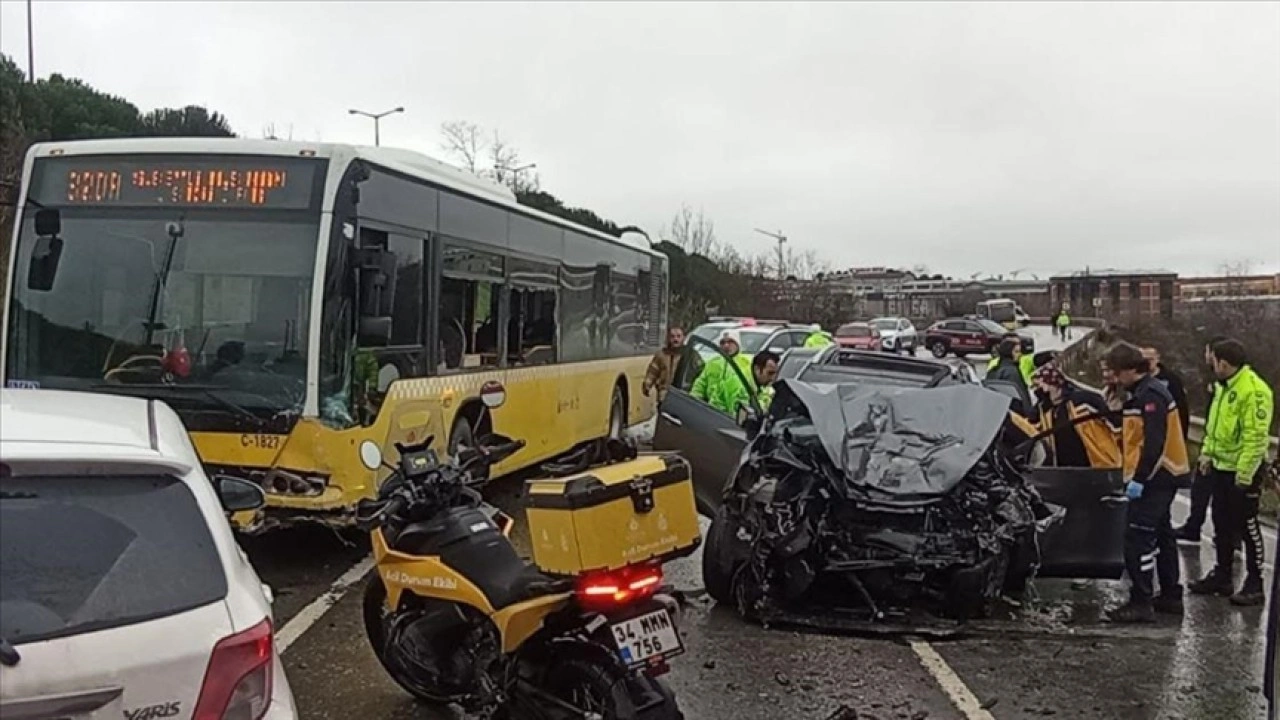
(782,240)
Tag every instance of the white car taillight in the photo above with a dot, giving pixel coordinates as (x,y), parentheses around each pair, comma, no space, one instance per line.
(237,683)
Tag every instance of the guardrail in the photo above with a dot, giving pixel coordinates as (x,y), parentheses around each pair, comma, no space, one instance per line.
(1195,433)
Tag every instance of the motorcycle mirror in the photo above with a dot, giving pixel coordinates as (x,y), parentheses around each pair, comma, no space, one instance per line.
(370,455)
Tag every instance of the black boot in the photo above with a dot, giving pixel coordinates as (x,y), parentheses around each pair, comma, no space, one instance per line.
(1132,612)
(1187,534)
(1250,594)
(1169,603)
(1217,582)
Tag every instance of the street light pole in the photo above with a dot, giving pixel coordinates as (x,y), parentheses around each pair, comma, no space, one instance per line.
(31,48)
(515,172)
(376,117)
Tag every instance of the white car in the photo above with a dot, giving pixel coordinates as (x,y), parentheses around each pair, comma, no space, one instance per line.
(125,593)
(897,334)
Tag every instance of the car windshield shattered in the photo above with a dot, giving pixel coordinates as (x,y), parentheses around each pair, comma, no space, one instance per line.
(880,501)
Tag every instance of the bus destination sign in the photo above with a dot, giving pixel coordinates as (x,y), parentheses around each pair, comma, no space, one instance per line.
(275,183)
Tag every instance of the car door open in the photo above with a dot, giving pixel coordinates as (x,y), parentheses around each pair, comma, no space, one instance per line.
(1090,541)
(711,440)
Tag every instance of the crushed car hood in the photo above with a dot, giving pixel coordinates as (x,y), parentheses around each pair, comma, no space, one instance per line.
(898,444)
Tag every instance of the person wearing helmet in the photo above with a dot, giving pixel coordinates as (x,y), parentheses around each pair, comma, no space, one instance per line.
(819,338)
(717,384)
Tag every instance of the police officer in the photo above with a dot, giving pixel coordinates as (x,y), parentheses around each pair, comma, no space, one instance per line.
(716,384)
(818,338)
(1154,459)
(1236,436)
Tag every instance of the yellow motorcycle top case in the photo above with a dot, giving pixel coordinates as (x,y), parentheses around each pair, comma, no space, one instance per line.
(614,515)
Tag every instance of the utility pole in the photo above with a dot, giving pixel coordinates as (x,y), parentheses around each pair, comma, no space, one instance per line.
(376,117)
(31,48)
(782,240)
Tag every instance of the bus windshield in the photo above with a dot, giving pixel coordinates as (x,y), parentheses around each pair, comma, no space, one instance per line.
(209,313)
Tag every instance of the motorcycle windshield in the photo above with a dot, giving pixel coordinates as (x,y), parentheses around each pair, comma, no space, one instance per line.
(905,445)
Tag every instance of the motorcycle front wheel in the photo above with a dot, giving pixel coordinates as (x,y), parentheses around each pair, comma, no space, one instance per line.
(601,691)
(393,659)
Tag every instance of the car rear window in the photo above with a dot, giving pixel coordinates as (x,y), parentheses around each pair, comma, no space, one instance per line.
(86,553)
(854,331)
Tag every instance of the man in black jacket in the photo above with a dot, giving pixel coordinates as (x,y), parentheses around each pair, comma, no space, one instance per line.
(1172,381)
(1201,487)
(1008,353)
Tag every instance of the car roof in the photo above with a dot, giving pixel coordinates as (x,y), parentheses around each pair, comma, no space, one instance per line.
(59,424)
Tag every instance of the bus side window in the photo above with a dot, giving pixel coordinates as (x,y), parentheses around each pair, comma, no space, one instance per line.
(531,328)
(468,324)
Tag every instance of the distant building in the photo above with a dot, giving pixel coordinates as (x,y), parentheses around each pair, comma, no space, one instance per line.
(1114,293)
(869,281)
(1031,294)
(1228,286)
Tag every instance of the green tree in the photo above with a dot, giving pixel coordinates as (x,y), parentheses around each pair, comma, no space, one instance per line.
(190,121)
(552,205)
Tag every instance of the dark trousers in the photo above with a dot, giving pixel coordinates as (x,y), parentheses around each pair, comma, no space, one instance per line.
(1201,493)
(1149,543)
(1235,519)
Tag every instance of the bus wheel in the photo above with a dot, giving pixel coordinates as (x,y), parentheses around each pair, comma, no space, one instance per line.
(617,415)
(463,435)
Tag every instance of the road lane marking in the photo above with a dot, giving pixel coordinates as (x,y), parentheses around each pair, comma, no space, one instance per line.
(316,609)
(959,693)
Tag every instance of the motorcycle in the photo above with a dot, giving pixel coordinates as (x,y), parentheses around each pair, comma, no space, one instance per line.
(455,616)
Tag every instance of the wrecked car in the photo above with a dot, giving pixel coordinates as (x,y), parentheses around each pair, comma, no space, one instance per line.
(881,483)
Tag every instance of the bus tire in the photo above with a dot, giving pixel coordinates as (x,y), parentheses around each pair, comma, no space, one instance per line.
(464,433)
(617,415)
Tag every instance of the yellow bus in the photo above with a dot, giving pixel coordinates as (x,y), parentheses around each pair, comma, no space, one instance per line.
(292,300)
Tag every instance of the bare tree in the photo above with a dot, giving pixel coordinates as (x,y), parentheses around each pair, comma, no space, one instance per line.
(269,132)
(463,142)
(694,233)
(504,158)
(806,264)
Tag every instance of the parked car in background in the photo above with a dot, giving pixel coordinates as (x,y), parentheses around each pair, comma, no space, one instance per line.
(756,335)
(897,334)
(125,593)
(969,336)
(858,336)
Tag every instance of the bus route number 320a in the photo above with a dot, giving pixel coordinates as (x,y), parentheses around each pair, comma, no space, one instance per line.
(265,442)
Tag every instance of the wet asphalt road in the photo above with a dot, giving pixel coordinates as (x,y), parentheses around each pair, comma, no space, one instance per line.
(1053,657)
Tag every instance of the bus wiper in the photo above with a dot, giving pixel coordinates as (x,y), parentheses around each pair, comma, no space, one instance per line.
(209,392)
(236,408)
(8,654)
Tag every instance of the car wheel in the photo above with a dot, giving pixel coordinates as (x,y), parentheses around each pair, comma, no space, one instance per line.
(939,349)
(719,561)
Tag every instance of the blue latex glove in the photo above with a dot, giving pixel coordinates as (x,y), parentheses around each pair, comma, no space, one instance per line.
(1133,490)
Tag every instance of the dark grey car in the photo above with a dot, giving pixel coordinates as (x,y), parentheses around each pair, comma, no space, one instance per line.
(1089,544)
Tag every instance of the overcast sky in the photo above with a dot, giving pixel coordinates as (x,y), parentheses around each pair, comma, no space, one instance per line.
(966,138)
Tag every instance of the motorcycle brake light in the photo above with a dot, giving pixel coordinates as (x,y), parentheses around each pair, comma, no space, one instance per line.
(237,683)
(619,587)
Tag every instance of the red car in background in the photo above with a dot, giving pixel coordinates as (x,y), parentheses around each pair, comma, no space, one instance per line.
(858,336)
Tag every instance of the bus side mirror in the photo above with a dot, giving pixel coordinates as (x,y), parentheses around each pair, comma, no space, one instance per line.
(374,331)
(47,253)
